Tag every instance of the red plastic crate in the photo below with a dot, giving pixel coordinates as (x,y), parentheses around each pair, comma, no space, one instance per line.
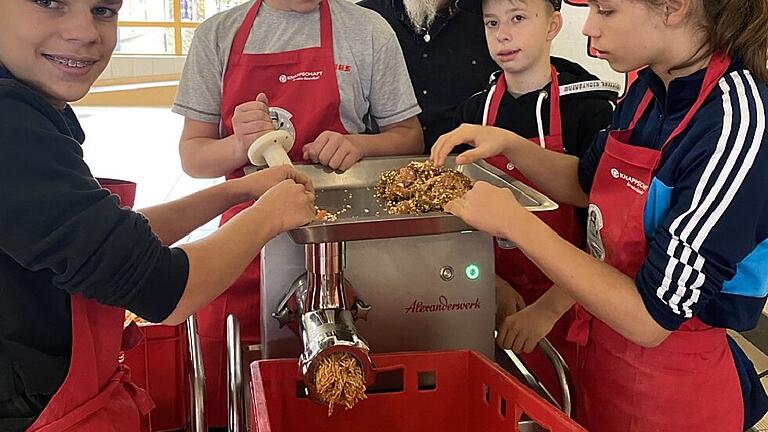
(159,365)
(464,392)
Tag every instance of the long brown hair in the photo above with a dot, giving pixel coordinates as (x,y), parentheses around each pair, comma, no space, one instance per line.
(738,28)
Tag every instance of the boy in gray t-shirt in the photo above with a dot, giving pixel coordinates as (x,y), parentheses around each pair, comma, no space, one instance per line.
(372,91)
(374,86)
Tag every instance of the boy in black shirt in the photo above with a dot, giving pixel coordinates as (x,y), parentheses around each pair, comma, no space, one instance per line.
(71,258)
(557,104)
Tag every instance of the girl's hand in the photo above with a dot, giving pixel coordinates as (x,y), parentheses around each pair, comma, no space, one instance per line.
(487,208)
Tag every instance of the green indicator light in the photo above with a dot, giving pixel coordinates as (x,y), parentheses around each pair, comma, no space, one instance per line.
(472,272)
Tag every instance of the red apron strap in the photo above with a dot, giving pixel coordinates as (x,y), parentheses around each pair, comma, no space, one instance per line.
(494,102)
(647,98)
(554,141)
(241,37)
(718,65)
(326,25)
(555,117)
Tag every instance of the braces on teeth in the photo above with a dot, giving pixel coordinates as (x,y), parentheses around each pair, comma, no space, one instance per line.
(70,63)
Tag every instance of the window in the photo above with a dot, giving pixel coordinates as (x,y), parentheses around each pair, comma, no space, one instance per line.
(164,26)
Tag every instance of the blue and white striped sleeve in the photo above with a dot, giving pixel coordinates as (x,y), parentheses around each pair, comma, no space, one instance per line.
(717,219)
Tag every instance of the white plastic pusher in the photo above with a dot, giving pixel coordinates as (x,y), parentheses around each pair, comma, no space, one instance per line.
(271,149)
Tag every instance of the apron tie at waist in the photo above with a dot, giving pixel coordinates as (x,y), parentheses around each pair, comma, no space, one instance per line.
(121,378)
(140,397)
(579,331)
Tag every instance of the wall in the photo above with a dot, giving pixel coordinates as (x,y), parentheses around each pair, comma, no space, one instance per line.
(571,44)
(127,68)
(130,70)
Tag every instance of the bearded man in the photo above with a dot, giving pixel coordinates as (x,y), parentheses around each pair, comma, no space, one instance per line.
(446,54)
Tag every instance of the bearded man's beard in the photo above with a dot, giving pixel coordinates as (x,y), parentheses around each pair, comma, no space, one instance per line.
(421,13)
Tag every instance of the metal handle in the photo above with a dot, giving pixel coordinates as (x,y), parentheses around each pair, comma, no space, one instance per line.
(505,244)
(236,396)
(563,374)
(561,369)
(196,378)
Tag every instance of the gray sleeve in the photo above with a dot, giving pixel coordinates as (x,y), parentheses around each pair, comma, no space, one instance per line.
(199,94)
(392,98)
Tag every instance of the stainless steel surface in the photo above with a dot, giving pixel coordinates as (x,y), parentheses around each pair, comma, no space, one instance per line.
(326,287)
(197,379)
(320,299)
(360,310)
(563,374)
(505,244)
(236,391)
(360,216)
(530,380)
(530,426)
(412,307)
(325,258)
(561,369)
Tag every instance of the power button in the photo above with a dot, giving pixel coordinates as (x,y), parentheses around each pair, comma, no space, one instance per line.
(446,273)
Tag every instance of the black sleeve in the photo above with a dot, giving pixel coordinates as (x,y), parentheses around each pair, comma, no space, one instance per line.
(55,217)
(470,111)
(595,116)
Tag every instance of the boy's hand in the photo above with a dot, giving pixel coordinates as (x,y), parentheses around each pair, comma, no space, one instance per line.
(487,208)
(488,142)
(256,184)
(523,330)
(508,300)
(288,204)
(250,121)
(333,150)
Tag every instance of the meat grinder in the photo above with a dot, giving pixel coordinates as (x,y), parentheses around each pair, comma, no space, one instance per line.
(371,280)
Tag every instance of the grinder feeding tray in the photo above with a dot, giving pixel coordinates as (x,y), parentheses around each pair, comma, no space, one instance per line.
(359,215)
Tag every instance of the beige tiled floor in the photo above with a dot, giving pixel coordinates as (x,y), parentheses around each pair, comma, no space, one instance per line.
(141,144)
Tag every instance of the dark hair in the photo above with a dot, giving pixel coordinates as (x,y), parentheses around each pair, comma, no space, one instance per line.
(476,6)
(738,28)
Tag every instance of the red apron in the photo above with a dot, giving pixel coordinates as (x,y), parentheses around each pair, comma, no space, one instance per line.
(97,394)
(303,83)
(689,382)
(513,266)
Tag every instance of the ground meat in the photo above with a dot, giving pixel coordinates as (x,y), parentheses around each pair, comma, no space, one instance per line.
(420,187)
(339,381)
